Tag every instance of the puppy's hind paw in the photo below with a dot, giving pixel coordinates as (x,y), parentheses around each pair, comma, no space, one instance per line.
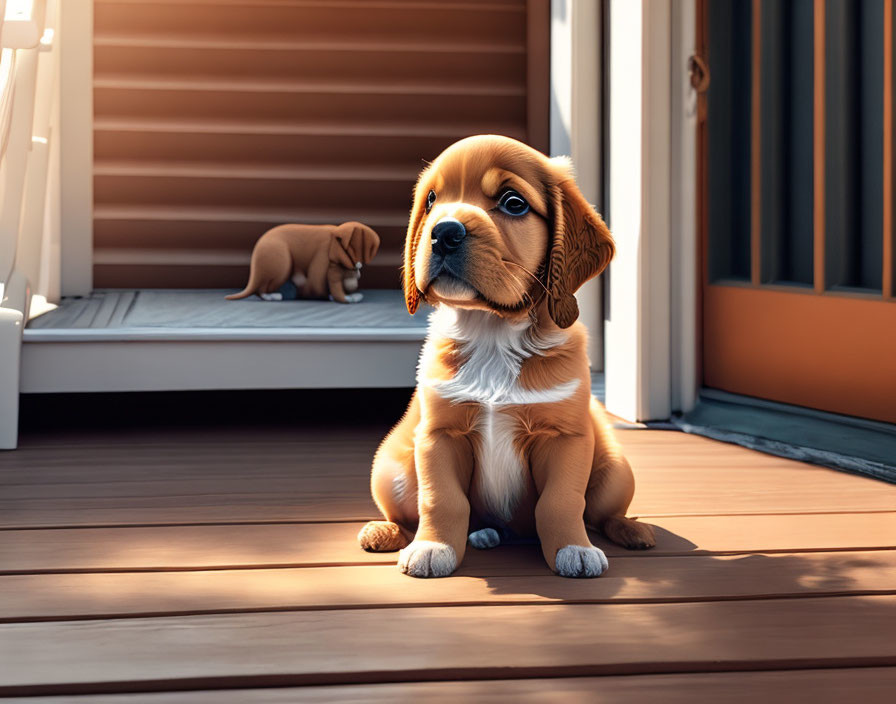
(424,558)
(484,539)
(381,536)
(629,533)
(580,561)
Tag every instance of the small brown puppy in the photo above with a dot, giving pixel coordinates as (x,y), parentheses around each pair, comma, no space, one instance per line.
(321,260)
(502,438)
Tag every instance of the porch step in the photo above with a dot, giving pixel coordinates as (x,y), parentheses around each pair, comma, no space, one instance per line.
(166,340)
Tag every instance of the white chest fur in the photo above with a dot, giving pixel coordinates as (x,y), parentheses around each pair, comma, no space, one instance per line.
(499,476)
(494,352)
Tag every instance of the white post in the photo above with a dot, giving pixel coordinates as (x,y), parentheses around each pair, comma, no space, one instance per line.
(23,194)
(575,125)
(31,232)
(15,159)
(75,36)
(15,294)
(638,329)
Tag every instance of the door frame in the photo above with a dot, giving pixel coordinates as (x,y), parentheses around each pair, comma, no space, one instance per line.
(652,327)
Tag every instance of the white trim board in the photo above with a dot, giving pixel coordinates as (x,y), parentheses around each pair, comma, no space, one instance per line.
(637,348)
(83,361)
(140,334)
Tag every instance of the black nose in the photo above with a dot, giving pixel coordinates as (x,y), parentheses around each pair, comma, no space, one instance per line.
(447,235)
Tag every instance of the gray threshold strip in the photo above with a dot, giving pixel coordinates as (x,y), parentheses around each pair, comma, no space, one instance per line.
(841,442)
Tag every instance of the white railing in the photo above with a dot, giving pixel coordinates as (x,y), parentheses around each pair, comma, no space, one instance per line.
(29,246)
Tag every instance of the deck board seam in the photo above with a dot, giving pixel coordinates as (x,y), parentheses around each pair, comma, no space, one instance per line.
(249,566)
(437,675)
(475,603)
(327,521)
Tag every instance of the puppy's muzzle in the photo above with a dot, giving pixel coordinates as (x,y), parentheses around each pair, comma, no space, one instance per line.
(447,236)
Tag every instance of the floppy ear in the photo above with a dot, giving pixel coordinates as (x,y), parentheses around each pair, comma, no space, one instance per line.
(340,239)
(411,294)
(365,243)
(581,248)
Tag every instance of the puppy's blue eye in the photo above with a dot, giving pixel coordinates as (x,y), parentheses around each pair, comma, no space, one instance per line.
(430,200)
(513,203)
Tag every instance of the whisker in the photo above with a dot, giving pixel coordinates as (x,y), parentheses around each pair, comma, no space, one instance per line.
(520,266)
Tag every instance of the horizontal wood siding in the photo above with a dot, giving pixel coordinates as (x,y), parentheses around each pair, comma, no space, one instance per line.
(216,120)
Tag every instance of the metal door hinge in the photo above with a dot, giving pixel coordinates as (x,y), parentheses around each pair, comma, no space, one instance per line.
(699,73)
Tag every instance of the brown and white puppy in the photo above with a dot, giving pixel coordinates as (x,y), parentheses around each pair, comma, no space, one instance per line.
(502,437)
(320,260)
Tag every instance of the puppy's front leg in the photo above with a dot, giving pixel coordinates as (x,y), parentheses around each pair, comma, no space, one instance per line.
(335,274)
(444,467)
(561,467)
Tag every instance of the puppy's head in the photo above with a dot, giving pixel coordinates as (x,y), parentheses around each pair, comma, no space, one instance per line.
(353,243)
(496,225)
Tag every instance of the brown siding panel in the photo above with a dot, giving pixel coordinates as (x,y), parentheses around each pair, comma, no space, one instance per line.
(217,120)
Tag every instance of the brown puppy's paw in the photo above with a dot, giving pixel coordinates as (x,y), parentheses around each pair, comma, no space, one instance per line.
(381,536)
(630,534)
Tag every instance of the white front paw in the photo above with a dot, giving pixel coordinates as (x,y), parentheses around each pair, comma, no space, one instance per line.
(424,558)
(578,561)
(275,296)
(354,297)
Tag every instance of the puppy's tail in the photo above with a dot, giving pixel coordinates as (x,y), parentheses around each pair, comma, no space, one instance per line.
(269,268)
(245,293)
(251,287)
(256,276)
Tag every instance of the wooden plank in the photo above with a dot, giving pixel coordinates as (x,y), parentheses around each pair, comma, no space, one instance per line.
(232,474)
(509,577)
(366,646)
(190,476)
(309,545)
(818,131)
(869,685)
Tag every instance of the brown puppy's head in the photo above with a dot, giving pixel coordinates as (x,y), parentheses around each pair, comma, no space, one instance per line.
(496,225)
(353,243)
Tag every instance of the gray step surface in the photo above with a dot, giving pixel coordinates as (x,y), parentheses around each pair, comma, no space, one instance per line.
(208,309)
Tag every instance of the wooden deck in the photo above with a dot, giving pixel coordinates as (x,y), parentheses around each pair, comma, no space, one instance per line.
(218,564)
